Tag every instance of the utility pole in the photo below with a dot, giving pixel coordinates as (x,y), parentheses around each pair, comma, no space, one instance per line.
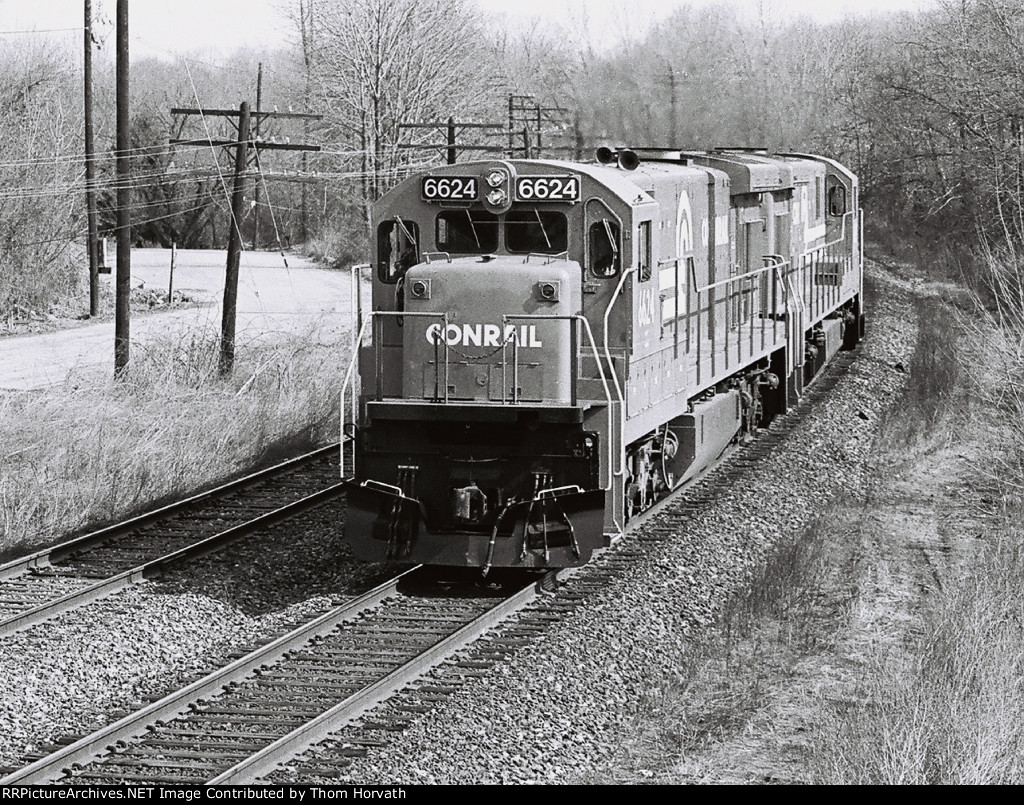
(256,192)
(227,330)
(525,111)
(90,172)
(304,214)
(673,101)
(241,146)
(124,197)
(450,128)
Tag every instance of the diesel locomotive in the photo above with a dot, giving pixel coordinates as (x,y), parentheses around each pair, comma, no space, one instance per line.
(553,346)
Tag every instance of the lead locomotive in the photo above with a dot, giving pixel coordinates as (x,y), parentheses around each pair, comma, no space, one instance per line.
(553,346)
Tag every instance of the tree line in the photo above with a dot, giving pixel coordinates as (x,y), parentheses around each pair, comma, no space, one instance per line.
(926,107)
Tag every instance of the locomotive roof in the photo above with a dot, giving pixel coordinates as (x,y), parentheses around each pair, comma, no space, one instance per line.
(626,183)
(747,170)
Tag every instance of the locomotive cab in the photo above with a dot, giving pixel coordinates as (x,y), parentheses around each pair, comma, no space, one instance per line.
(477,442)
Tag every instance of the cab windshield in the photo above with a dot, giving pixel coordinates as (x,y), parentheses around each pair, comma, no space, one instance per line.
(467,231)
(536,231)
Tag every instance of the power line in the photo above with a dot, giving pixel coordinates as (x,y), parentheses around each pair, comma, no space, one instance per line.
(42,31)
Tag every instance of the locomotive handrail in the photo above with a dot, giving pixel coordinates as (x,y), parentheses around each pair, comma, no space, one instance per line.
(621,471)
(505,318)
(756,271)
(357,301)
(738,278)
(355,358)
(842,234)
(401,314)
(344,387)
(427,255)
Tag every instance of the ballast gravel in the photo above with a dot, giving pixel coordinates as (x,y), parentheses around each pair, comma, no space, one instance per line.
(555,709)
(86,667)
(548,713)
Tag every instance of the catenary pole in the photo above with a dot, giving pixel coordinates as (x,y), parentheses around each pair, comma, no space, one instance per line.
(227,334)
(124,233)
(90,172)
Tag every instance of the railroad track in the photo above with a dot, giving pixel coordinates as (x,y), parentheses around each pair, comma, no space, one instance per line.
(567,592)
(40,586)
(322,685)
(240,722)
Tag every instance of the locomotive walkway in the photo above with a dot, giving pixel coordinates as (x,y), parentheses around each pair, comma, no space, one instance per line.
(272,299)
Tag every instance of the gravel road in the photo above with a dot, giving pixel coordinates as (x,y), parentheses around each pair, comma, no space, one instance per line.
(272,299)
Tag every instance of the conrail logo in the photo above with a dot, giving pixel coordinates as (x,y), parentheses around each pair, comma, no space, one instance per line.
(483,335)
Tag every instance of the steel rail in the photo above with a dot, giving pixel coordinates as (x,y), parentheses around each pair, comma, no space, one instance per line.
(697,491)
(135,725)
(256,766)
(154,567)
(47,556)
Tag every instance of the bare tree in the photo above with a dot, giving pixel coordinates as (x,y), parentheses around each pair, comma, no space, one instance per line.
(39,178)
(380,63)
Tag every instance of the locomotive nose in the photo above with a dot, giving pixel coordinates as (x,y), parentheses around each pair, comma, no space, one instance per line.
(495,330)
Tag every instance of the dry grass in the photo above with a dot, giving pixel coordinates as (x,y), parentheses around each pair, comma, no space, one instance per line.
(947,704)
(82,454)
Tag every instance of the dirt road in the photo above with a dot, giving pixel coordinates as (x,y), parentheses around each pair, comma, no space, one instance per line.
(273,298)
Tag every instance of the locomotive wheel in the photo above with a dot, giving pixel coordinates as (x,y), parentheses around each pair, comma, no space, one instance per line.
(633,506)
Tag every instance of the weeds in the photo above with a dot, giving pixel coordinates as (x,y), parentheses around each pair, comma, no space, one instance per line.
(934,371)
(724,680)
(78,455)
(995,329)
(949,707)
(947,704)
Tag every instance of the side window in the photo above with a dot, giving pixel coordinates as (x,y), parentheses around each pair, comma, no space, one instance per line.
(467,231)
(837,200)
(817,198)
(644,249)
(536,231)
(603,244)
(398,248)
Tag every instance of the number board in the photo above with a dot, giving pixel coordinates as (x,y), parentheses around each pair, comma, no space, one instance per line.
(547,188)
(450,188)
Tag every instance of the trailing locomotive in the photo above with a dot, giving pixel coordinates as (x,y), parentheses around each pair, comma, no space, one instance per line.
(553,346)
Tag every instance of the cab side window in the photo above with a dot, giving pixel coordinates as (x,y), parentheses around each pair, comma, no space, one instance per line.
(837,200)
(645,255)
(603,241)
(398,248)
